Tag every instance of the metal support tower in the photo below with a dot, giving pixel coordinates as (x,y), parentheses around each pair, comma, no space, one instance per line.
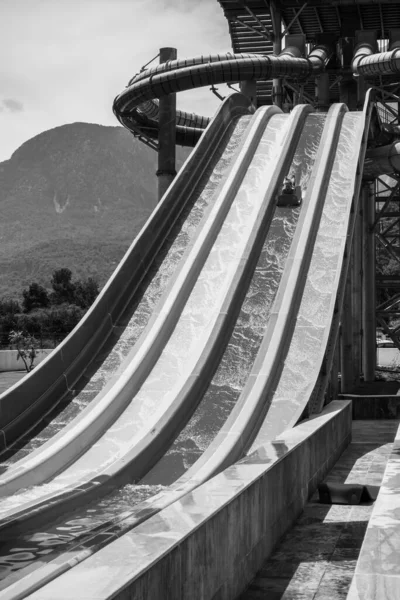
(167,133)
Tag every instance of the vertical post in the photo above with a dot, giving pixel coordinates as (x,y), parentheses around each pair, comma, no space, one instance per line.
(346,350)
(348,91)
(322,84)
(335,371)
(368,285)
(166,133)
(248,87)
(360,91)
(276,18)
(356,299)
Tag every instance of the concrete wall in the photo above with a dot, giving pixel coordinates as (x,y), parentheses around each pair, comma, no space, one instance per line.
(211,543)
(219,558)
(9,360)
(388,357)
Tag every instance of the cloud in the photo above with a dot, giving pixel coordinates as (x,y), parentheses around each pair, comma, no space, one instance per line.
(11,105)
(62,74)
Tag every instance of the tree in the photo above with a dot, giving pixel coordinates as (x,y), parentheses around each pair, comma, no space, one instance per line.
(86,292)
(64,289)
(35,296)
(26,345)
(9,307)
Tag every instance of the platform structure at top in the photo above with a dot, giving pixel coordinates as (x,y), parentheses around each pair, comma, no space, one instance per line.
(261,26)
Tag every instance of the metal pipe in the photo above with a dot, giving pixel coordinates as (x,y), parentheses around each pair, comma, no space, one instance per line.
(135,106)
(276,18)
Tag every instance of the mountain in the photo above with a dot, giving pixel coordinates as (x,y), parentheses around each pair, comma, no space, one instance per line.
(74,196)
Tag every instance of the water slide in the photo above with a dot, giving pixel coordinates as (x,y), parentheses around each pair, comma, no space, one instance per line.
(234,295)
(257,247)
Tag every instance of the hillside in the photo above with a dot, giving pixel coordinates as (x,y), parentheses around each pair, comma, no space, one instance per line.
(74,196)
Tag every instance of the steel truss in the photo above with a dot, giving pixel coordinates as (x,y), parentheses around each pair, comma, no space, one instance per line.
(385,192)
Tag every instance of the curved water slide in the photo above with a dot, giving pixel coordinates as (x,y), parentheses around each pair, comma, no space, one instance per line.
(137,106)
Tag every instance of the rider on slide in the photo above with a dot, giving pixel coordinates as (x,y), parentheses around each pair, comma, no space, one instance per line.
(288,185)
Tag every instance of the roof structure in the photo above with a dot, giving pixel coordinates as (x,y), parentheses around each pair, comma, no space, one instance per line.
(251,26)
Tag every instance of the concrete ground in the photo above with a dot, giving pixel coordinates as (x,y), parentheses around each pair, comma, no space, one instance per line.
(316,559)
(9,378)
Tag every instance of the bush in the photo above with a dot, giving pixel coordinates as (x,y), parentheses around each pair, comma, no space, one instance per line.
(26,346)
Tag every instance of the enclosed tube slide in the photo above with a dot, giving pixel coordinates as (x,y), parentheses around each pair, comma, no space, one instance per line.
(366,62)
(135,107)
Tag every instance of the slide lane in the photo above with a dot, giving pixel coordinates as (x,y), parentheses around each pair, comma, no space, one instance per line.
(75,373)
(282,228)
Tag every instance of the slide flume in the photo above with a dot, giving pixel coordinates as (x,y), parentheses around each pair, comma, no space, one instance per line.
(341,143)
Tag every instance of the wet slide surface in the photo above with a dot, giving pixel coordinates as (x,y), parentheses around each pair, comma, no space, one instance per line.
(133,322)
(304,359)
(218,400)
(227,383)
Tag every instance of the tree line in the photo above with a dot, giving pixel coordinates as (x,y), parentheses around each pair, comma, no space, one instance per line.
(48,316)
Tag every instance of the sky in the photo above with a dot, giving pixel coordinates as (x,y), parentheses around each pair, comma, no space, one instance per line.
(63,61)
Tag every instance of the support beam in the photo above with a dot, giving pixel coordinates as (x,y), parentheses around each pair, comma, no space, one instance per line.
(167,133)
(346,347)
(368,285)
(276,18)
(295,18)
(348,92)
(323,92)
(335,371)
(356,299)
(249,89)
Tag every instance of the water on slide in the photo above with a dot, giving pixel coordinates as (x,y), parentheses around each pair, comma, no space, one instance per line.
(307,348)
(218,401)
(133,322)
